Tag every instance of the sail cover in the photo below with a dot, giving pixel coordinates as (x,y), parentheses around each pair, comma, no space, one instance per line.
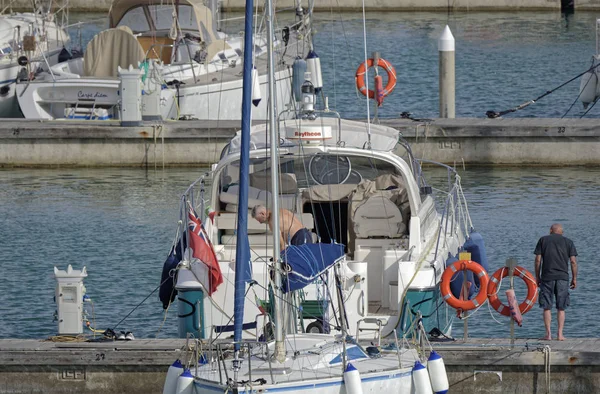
(306,262)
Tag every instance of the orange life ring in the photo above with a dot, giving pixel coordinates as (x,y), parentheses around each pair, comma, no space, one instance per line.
(389,69)
(529,280)
(464,305)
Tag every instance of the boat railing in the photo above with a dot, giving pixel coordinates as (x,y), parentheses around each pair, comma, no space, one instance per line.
(455,216)
(188,199)
(217,353)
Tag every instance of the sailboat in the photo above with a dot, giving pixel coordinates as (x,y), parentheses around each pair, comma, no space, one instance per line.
(197,67)
(29,43)
(298,314)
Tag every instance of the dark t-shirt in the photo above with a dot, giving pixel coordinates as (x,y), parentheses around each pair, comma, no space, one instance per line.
(556,251)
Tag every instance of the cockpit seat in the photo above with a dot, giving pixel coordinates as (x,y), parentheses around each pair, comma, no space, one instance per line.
(378,216)
(380,208)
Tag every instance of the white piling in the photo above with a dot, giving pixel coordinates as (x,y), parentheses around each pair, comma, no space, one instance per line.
(447,78)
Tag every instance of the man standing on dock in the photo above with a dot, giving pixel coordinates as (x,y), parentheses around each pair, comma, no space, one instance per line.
(552,255)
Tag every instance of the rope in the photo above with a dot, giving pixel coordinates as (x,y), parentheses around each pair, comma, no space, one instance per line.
(579,95)
(589,109)
(492,314)
(67,338)
(547,360)
(144,300)
(417,269)
(164,318)
(494,114)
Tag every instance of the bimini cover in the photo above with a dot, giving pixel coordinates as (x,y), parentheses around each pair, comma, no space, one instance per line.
(353,134)
(191,12)
(109,50)
(305,263)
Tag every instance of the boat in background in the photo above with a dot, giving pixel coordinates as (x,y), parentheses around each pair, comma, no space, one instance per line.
(29,43)
(198,67)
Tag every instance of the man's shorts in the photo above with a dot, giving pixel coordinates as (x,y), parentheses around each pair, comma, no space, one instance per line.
(554,288)
(302,236)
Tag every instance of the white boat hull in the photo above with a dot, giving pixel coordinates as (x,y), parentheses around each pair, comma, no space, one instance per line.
(313,365)
(223,101)
(46,55)
(48,99)
(399,381)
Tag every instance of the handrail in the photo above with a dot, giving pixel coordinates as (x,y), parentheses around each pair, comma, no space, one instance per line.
(448,219)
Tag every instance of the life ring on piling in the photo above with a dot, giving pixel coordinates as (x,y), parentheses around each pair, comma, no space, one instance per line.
(362,71)
(529,280)
(476,269)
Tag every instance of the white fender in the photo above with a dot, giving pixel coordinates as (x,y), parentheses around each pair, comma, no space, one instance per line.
(587,88)
(185,383)
(172,375)
(352,380)
(256,94)
(420,377)
(437,373)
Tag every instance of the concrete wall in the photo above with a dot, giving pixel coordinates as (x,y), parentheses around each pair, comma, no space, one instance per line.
(32,144)
(585,5)
(547,142)
(353,5)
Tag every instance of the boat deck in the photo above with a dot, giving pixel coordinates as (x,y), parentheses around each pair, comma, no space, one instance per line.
(375,309)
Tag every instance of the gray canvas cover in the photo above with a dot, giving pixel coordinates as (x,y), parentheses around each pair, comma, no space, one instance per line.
(109,50)
(374,211)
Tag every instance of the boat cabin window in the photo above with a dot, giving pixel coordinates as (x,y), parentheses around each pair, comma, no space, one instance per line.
(135,19)
(162,15)
(162,18)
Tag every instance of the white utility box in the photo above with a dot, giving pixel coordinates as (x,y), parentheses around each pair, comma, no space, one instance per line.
(130,90)
(69,300)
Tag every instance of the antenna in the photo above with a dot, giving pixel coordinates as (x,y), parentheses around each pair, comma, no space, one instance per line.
(366,74)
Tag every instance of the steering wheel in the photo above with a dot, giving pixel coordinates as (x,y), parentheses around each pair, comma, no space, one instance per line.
(322,167)
(352,177)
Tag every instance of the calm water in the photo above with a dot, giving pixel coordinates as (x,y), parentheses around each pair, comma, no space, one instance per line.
(120,225)
(502,59)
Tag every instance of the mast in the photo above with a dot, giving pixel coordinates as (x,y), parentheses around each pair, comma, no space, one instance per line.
(274,141)
(242,253)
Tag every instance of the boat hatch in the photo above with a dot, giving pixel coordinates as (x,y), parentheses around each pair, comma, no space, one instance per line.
(353,353)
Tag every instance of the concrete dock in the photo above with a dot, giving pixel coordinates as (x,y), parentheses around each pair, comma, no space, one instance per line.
(139,366)
(517,141)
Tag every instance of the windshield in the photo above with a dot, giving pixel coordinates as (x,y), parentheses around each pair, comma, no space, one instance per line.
(313,170)
(162,17)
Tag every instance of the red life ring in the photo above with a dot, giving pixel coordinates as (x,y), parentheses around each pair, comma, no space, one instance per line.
(362,70)
(529,280)
(464,305)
